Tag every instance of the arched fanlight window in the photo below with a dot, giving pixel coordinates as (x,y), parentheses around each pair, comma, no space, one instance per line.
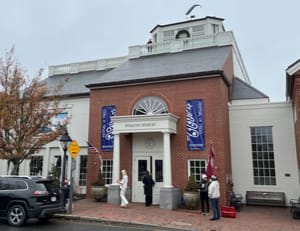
(150,105)
(183,34)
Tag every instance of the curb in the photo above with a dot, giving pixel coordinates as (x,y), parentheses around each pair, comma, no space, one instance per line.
(115,222)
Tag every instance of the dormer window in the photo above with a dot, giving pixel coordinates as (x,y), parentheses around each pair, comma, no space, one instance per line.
(198,30)
(155,38)
(168,35)
(215,28)
(182,34)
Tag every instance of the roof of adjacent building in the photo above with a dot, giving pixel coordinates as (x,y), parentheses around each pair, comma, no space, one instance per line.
(291,71)
(242,90)
(75,84)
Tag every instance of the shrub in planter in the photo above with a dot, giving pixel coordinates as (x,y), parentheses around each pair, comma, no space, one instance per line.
(192,185)
(99,191)
(191,194)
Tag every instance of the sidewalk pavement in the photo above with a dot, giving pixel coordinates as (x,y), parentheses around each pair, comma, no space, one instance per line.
(250,218)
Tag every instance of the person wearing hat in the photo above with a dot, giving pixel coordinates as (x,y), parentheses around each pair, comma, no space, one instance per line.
(214,195)
(204,201)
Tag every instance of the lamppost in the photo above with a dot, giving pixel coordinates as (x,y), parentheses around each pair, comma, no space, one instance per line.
(64,141)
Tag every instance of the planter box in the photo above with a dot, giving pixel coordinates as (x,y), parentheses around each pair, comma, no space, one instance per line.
(99,193)
(191,199)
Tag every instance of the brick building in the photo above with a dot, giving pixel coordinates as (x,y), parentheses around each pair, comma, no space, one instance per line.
(150,93)
(162,106)
(292,94)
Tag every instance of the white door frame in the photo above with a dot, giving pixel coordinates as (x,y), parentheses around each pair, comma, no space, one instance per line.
(148,147)
(137,184)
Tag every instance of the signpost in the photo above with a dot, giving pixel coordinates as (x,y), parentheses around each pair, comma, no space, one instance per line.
(73,150)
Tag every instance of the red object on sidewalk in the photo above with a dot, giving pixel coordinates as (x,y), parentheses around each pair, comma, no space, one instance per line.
(228,212)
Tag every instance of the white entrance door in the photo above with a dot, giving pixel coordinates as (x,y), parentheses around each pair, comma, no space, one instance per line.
(147,155)
(142,164)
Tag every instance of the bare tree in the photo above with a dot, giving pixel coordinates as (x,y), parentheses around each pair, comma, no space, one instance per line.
(27,107)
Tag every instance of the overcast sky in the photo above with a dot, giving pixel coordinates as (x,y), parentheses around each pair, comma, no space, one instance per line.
(52,32)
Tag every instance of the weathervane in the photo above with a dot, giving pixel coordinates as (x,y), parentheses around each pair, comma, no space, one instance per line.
(190,10)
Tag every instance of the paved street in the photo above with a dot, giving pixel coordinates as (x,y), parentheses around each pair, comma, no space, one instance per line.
(63,225)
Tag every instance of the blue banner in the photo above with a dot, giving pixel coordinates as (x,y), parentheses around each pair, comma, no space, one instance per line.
(107,137)
(195,124)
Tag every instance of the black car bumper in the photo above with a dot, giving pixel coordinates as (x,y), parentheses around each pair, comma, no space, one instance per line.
(46,212)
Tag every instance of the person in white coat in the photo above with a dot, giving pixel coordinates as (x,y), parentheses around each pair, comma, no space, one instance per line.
(123,186)
(214,195)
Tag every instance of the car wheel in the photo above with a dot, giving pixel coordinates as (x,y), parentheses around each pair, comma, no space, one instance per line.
(16,215)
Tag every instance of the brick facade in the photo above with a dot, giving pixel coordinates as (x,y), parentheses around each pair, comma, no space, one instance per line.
(214,92)
(296,102)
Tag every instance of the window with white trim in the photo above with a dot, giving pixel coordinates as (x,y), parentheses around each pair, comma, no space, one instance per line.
(36,166)
(263,161)
(168,35)
(107,170)
(196,168)
(198,30)
(83,170)
(215,28)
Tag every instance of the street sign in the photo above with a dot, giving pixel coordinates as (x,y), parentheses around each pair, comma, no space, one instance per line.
(74,149)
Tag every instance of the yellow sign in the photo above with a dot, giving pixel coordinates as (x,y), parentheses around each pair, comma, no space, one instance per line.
(74,149)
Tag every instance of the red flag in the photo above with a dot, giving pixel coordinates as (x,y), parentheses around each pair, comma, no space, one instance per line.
(210,163)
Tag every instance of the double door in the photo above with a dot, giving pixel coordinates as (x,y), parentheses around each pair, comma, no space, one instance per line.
(152,163)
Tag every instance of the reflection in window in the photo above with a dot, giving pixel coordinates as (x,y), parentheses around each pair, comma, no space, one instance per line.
(142,168)
(58,164)
(36,166)
(83,170)
(12,185)
(58,120)
(159,171)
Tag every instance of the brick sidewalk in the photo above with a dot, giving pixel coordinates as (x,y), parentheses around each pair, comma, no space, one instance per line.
(250,218)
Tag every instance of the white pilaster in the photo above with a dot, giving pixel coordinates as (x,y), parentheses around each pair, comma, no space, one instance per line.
(47,165)
(116,159)
(167,170)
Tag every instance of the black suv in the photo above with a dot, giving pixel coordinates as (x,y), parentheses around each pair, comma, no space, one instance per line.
(22,198)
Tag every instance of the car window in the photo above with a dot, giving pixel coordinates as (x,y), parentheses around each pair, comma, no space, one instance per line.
(40,186)
(12,185)
(46,186)
(4,185)
(20,184)
(51,186)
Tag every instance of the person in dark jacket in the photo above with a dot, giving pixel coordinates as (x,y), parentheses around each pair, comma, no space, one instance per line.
(204,195)
(148,188)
